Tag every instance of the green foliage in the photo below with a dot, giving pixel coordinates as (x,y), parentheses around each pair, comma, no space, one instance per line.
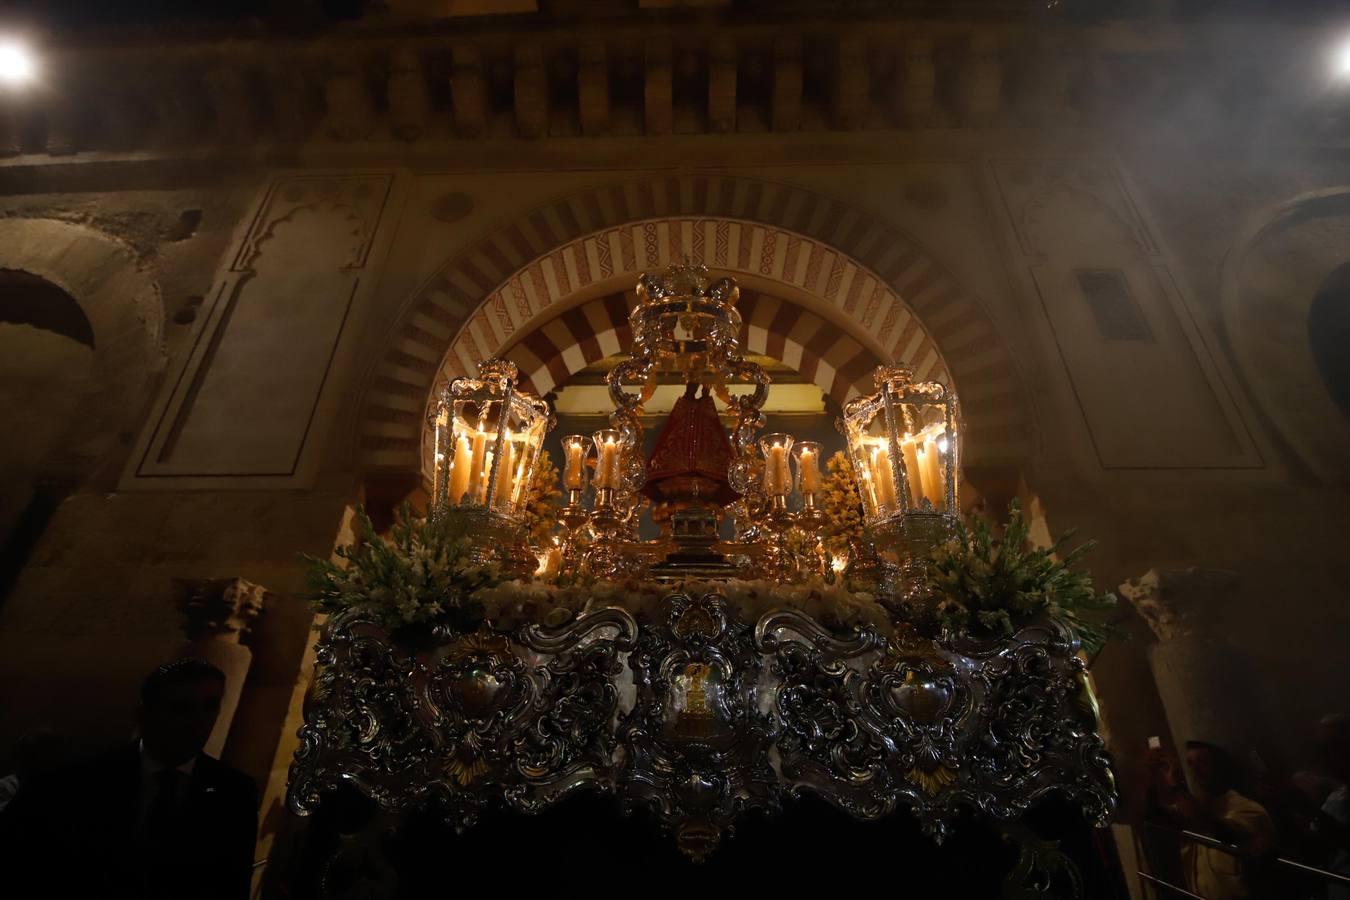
(989,585)
(423,573)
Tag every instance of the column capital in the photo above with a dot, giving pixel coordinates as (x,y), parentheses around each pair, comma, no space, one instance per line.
(221,609)
(1181,603)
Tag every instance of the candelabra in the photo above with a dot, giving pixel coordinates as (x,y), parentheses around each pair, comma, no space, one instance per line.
(787,538)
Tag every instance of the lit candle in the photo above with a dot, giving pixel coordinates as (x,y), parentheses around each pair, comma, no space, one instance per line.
(808,469)
(776,471)
(479,461)
(574,469)
(883,473)
(607,468)
(501,495)
(911,457)
(460,468)
(932,479)
(480,492)
(868,492)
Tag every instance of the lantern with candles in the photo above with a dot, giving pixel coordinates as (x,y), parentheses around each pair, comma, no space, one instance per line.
(488,436)
(904,442)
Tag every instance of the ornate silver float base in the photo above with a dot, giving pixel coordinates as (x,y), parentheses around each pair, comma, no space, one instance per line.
(702,717)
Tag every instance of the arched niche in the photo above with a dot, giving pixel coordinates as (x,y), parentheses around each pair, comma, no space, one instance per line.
(79,286)
(1283,263)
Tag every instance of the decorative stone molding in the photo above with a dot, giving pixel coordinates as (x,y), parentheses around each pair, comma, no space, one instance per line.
(934,74)
(1181,603)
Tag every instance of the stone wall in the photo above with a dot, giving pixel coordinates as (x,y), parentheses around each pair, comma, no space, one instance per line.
(244,431)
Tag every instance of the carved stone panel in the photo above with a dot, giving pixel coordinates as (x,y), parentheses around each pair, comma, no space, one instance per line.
(1151,393)
(245,403)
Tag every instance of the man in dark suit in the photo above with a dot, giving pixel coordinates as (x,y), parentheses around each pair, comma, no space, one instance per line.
(156,819)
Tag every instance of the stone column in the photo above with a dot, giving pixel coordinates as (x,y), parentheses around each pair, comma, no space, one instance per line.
(218,613)
(1203,680)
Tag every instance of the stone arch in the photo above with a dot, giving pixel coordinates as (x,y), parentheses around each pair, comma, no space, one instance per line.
(1270,279)
(861,270)
(120,301)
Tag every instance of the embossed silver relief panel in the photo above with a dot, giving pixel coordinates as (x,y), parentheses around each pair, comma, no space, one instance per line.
(702,717)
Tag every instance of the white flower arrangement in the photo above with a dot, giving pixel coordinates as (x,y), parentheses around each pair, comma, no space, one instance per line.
(424,573)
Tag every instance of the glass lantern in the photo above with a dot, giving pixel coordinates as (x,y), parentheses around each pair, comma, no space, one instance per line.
(904,443)
(488,436)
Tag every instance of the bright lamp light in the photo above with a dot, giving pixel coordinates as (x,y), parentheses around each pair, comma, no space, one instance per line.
(17,66)
(1340,61)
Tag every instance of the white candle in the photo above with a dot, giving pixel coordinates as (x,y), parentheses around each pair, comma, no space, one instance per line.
(932,479)
(480,493)
(501,495)
(883,473)
(776,471)
(809,471)
(479,460)
(607,472)
(460,469)
(911,456)
(574,468)
(868,490)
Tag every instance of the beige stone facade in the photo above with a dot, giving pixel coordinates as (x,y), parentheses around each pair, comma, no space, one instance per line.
(1108,241)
